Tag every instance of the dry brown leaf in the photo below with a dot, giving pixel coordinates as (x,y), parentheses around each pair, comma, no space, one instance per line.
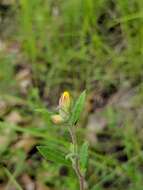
(40,186)
(3,107)
(26,143)
(24,80)
(23,74)
(27,182)
(14,117)
(7,2)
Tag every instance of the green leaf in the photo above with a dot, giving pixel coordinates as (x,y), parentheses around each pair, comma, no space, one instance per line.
(84,155)
(78,108)
(54,155)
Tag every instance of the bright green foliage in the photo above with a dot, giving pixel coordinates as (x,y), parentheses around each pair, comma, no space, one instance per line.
(54,155)
(84,155)
(78,108)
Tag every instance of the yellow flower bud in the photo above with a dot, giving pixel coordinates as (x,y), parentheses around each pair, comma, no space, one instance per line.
(65,101)
(57,119)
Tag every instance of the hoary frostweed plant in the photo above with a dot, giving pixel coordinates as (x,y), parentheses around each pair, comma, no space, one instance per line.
(68,115)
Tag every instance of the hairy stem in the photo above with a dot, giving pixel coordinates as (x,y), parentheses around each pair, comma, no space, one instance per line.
(76,159)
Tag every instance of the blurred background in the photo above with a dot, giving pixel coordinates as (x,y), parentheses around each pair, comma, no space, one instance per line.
(49,46)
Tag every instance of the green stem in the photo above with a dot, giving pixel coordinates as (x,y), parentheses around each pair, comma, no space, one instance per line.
(76,165)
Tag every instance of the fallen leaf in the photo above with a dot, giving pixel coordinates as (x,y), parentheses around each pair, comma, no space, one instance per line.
(26,143)
(27,182)
(14,117)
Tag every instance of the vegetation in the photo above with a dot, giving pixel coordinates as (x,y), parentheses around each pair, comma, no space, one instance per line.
(47,47)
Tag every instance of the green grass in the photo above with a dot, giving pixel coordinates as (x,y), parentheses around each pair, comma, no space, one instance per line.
(75,45)
(69,35)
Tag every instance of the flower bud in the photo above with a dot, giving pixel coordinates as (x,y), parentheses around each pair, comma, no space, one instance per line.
(57,119)
(65,101)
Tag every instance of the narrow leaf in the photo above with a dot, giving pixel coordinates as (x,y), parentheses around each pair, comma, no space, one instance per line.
(84,155)
(78,108)
(12,179)
(54,155)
